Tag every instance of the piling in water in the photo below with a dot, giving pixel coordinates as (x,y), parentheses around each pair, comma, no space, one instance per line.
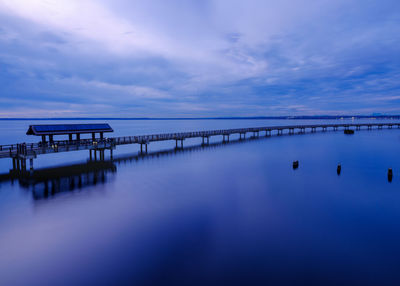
(295,164)
(339,169)
(390,174)
(348,131)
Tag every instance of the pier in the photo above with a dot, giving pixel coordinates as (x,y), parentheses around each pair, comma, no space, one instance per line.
(20,153)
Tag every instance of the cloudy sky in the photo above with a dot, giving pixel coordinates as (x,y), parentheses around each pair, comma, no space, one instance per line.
(179,58)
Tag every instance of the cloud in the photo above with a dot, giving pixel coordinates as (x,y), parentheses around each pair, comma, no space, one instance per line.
(199,58)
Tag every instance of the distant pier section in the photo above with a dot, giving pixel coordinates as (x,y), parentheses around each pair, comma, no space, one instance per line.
(22,152)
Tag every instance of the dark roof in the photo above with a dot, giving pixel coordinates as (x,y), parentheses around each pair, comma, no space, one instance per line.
(58,129)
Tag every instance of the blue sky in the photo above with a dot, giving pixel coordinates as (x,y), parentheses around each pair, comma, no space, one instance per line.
(179,58)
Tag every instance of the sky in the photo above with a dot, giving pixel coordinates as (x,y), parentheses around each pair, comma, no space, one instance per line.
(199,58)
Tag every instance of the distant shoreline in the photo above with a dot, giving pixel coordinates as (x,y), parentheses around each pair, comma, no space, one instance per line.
(336,117)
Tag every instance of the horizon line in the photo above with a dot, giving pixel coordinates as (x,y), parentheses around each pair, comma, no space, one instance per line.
(207,118)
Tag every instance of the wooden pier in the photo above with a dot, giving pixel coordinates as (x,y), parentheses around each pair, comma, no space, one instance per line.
(22,152)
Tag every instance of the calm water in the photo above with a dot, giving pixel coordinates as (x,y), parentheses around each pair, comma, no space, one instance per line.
(226,214)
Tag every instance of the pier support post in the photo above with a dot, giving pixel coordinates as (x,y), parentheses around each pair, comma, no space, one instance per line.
(176,143)
(141,147)
(31,164)
(205,140)
(95,154)
(111,153)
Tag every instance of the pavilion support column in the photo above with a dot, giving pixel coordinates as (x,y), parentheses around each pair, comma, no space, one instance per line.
(101,135)
(70,137)
(14,163)
(31,164)
(95,154)
(23,164)
(78,137)
(90,154)
(44,139)
(111,153)
(93,136)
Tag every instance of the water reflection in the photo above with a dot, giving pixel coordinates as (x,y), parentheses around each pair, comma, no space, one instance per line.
(48,182)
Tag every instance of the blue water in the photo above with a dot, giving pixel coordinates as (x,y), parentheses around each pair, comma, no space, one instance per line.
(226,214)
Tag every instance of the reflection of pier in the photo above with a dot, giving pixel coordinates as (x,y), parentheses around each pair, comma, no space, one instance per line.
(51,181)
(20,153)
(48,182)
